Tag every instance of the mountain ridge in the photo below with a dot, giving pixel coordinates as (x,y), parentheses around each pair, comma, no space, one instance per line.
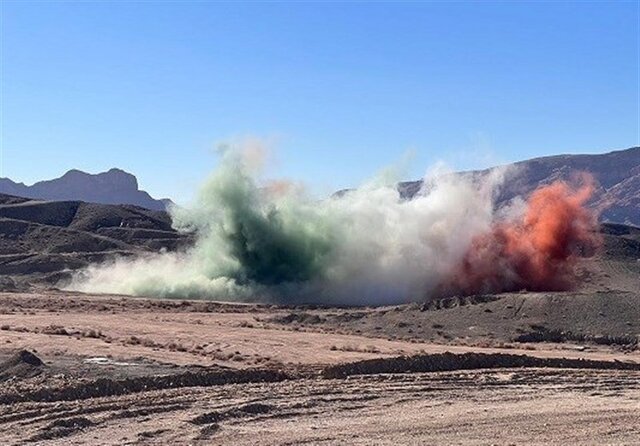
(616,197)
(114,186)
(616,174)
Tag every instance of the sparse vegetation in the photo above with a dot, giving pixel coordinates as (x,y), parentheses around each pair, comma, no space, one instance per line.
(543,334)
(356,349)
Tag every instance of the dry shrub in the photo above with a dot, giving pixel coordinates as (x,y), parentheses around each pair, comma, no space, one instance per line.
(58,330)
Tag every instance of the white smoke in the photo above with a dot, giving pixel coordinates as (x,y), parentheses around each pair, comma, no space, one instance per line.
(258,241)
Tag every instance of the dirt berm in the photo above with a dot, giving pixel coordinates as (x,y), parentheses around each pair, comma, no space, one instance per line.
(445,362)
(110,387)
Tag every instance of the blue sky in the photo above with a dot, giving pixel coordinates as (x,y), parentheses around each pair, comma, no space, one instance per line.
(343,89)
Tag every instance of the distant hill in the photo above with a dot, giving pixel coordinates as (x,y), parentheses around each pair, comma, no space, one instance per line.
(617,175)
(112,187)
(42,241)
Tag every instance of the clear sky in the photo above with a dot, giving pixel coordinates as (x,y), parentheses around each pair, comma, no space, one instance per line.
(343,89)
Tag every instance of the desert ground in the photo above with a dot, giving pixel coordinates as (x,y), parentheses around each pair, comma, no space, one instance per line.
(122,370)
(514,368)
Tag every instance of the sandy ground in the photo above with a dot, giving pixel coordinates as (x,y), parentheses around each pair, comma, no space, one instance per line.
(82,339)
(59,325)
(480,407)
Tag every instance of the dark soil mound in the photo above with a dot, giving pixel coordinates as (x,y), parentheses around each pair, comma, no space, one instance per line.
(109,387)
(467,361)
(23,364)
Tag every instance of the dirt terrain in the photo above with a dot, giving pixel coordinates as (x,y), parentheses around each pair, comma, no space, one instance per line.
(479,407)
(512,368)
(119,370)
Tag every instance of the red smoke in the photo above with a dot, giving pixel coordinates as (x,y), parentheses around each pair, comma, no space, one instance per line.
(537,250)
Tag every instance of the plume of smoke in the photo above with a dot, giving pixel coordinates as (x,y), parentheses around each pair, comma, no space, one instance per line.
(273,242)
(534,249)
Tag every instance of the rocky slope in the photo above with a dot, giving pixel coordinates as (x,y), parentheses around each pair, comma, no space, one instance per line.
(617,176)
(40,240)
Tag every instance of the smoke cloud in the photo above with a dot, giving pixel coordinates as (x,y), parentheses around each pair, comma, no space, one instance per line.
(271,241)
(534,250)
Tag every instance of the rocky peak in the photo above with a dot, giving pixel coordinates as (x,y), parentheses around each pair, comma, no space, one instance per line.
(114,186)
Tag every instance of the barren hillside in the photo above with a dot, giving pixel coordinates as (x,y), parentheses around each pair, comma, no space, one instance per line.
(617,176)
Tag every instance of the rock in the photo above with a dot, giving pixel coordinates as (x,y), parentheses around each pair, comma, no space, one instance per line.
(23,364)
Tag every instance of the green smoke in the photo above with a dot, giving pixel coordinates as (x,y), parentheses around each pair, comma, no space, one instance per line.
(262,239)
(271,242)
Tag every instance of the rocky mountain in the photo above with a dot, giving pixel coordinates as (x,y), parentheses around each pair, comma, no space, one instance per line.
(43,241)
(112,187)
(617,177)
